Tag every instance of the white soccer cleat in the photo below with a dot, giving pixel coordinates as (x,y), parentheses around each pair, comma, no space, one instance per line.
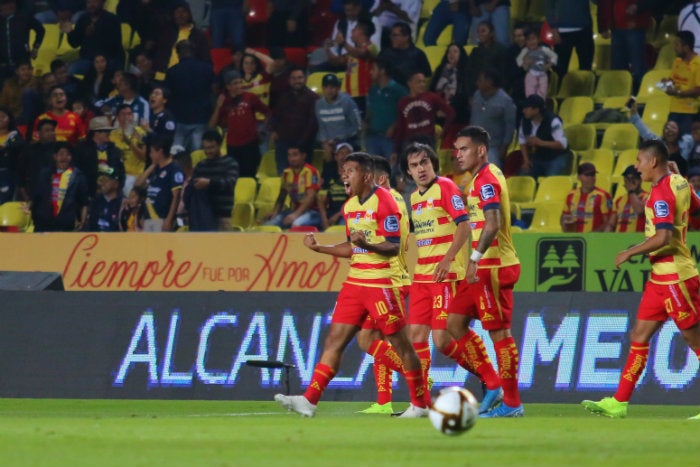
(298,404)
(414,412)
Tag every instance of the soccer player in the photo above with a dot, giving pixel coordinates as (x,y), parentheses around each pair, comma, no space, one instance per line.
(441,228)
(374,237)
(493,267)
(672,289)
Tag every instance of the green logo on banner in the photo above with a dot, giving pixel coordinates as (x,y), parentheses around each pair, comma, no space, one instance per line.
(560,265)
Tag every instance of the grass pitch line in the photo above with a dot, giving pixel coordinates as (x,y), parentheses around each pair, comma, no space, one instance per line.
(245,414)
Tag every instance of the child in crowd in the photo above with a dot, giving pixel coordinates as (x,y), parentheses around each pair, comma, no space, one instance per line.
(536,59)
(134,211)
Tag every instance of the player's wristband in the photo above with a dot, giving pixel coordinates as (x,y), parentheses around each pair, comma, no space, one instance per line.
(476,256)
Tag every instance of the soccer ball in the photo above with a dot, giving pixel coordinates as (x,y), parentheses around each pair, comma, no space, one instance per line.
(454,411)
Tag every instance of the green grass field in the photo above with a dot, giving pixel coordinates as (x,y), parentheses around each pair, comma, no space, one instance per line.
(123,433)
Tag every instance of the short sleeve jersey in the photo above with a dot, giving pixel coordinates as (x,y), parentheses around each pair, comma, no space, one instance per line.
(590,209)
(298,183)
(667,208)
(685,76)
(436,213)
(161,185)
(488,190)
(379,218)
(69,127)
(627,219)
(400,262)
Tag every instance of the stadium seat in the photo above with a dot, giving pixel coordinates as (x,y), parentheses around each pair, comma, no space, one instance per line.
(297,56)
(577,83)
(266,228)
(111,6)
(613,83)
(665,58)
(268,166)
(246,188)
(220,58)
(624,159)
(551,189)
(648,88)
(668,26)
(130,38)
(602,53)
(267,196)
(197,156)
(243,214)
(427,9)
(469,48)
(13,217)
(443,39)
(617,102)
(546,217)
(48,50)
(574,109)
(620,136)
(603,159)
(64,50)
(303,228)
(434,54)
(656,112)
(521,188)
(313,81)
(336,229)
(580,137)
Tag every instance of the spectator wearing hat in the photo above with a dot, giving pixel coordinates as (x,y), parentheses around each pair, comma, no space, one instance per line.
(97,154)
(331,205)
(542,140)
(628,209)
(235,111)
(37,156)
(105,208)
(404,55)
(297,128)
(338,116)
(587,208)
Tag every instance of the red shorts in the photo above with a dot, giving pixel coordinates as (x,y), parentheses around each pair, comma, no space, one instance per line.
(429,301)
(490,299)
(678,301)
(383,305)
(370,323)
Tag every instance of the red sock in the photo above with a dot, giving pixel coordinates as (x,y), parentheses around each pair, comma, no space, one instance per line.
(382,378)
(507,354)
(636,361)
(423,352)
(416,387)
(473,351)
(382,350)
(323,374)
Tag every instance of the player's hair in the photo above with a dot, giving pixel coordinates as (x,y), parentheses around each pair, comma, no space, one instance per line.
(656,148)
(363,159)
(212,135)
(381,166)
(686,38)
(417,148)
(477,134)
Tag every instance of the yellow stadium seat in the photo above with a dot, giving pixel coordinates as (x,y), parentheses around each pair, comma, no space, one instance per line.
(577,83)
(243,214)
(613,83)
(551,189)
(581,137)
(318,159)
(65,51)
(668,26)
(427,9)
(665,58)
(268,166)
(521,188)
(547,217)
(313,81)
(617,102)
(267,196)
(266,228)
(620,136)
(48,50)
(443,39)
(434,54)
(468,48)
(603,159)
(574,109)
(336,229)
(13,217)
(245,190)
(602,53)
(624,159)
(111,6)
(656,111)
(648,88)
(197,156)
(130,38)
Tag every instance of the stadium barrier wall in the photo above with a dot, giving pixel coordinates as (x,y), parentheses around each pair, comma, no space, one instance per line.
(194,346)
(261,262)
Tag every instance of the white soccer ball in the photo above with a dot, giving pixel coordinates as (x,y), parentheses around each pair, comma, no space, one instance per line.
(454,411)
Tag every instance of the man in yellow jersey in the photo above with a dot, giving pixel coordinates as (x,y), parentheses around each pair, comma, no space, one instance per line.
(441,227)
(685,80)
(493,267)
(672,289)
(373,227)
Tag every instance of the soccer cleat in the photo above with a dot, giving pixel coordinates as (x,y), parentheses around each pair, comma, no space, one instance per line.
(298,404)
(492,397)
(381,409)
(607,406)
(504,411)
(414,412)
(697,417)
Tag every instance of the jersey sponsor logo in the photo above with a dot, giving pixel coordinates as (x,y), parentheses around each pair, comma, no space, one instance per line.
(419,209)
(423,224)
(391,224)
(457,202)
(661,209)
(487,192)
(424,242)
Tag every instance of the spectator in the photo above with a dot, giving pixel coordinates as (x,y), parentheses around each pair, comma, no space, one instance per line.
(95,87)
(83,111)
(182,28)
(572,28)
(489,54)
(389,12)
(294,129)
(70,127)
(190,83)
(59,201)
(628,209)
(227,21)
(685,79)
(162,120)
(163,181)
(330,206)
(61,10)
(105,208)
(338,117)
(446,12)
(20,95)
(212,184)
(14,30)
(419,113)
(451,82)
(286,26)
(278,68)
(587,208)
(536,59)
(148,19)
(97,31)
(405,57)
(143,61)
(382,104)
(128,95)
(694,179)
(97,154)
(37,156)
(255,80)
(129,138)
(359,59)
(694,155)
(70,84)
(496,12)
(689,20)
(300,183)
(11,145)
(134,211)
(493,110)
(542,140)
(516,73)
(335,46)
(235,111)
(46,82)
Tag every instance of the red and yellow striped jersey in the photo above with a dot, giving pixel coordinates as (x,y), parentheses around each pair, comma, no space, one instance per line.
(488,190)
(357,77)
(298,183)
(436,213)
(379,218)
(589,209)
(627,219)
(400,262)
(668,207)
